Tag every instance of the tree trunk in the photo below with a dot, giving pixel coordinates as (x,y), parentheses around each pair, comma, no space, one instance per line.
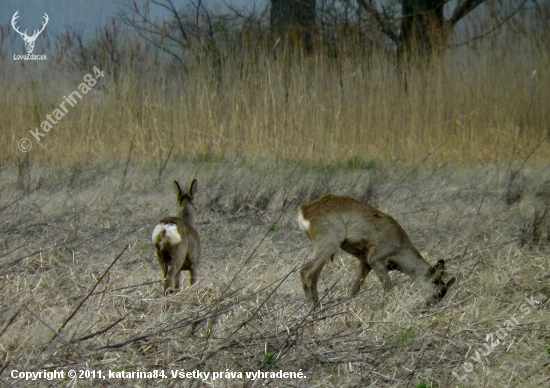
(422,29)
(293,21)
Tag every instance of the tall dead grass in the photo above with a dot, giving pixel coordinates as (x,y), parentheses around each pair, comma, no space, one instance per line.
(68,301)
(485,102)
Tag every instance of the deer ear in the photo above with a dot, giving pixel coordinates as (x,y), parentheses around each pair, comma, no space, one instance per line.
(193,188)
(179,193)
(450,282)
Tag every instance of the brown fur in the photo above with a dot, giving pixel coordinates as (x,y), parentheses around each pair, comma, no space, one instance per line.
(373,237)
(185,254)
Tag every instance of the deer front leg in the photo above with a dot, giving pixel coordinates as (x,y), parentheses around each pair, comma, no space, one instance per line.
(382,272)
(362,272)
(377,261)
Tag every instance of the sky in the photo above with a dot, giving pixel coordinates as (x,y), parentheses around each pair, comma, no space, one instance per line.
(81,14)
(87,15)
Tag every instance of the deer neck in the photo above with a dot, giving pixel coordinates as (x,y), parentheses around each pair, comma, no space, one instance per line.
(413,264)
(187,213)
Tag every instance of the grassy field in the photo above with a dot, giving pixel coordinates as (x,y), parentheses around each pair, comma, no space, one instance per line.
(63,228)
(456,150)
(470,105)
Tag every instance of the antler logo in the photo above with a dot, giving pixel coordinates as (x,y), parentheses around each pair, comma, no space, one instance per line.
(29,40)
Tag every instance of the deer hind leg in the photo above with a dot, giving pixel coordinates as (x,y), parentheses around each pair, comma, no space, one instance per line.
(163,265)
(362,272)
(177,284)
(172,278)
(310,272)
(170,282)
(190,264)
(175,267)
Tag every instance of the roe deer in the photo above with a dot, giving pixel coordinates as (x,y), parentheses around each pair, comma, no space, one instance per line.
(176,241)
(375,238)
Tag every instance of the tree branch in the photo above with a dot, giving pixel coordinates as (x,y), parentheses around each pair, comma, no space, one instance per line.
(155,32)
(463,10)
(382,24)
(495,28)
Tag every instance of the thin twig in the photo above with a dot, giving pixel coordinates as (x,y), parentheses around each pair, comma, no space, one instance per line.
(473,231)
(122,288)
(95,334)
(242,324)
(416,168)
(56,334)
(255,249)
(186,323)
(92,290)
(167,330)
(9,321)
(163,166)
(125,173)
(5,363)
(416,366)
(210,354)
(289,344)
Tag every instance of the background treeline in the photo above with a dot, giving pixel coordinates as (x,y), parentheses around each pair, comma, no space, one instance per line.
(297,79)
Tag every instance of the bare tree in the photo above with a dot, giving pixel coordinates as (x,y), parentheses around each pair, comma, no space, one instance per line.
(171,35)
(294,20)
(110,49)
(419,27)
(188,28)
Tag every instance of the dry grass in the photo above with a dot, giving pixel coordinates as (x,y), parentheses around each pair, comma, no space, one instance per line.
(445,155)
(63,227)
(472,105)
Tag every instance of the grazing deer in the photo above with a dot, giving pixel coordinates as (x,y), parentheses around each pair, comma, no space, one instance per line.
(177,242)
(375,238)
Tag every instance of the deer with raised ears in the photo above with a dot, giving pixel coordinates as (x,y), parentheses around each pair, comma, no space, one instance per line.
(336,222)
(177,242)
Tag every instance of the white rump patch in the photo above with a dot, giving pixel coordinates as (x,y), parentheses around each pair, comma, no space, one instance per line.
(168,230)
(304,224)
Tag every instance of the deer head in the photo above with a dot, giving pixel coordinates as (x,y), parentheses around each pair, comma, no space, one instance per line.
(29,40)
